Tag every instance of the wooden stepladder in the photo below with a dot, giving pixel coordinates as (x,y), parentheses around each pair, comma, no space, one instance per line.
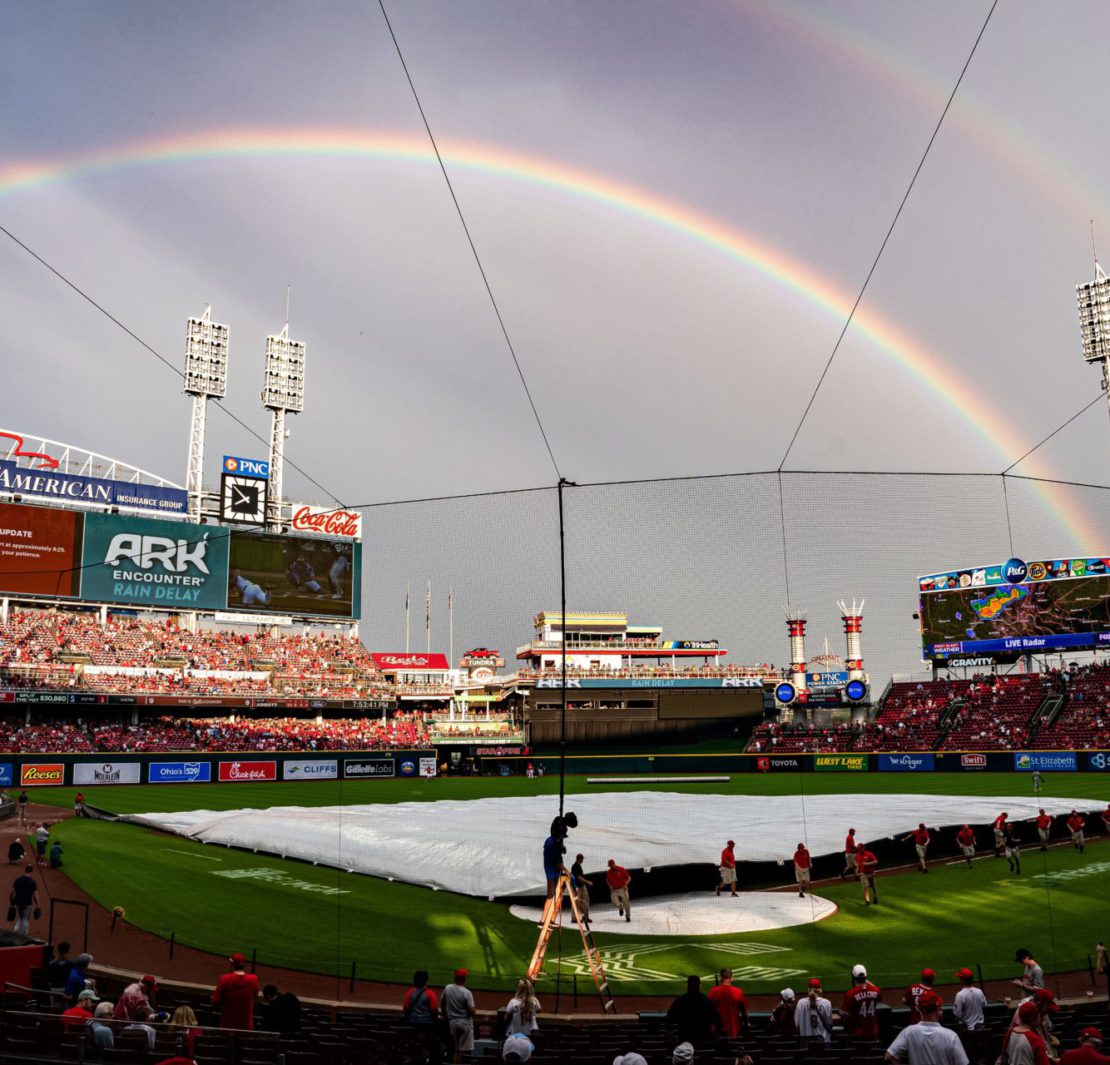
(552,921)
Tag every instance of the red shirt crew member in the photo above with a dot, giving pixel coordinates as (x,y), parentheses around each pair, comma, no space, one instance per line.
(920,837)
(618,878)
(999,826)
(1076,823)
(858,1007)
(966,839)
(235,995)
(801,869)
(850,854)
(867,863)
(1044,827)
(728,868)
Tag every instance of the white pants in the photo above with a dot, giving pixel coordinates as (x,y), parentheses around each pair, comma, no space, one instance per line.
(22,920)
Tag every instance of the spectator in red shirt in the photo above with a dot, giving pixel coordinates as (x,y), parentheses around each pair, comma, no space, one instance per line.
(421,1006)
(867,863)
(235,994)
(858,1007)
(1088,1052)
(1030,1047)
(731,1003)
(920,837)
(1044,827)
(914,992)
(1076,823)
(78,1016)
(801,869)
(618,878)
(728,868)
(966,839)
(849,855)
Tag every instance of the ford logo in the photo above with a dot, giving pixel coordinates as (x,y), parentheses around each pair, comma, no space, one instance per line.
(1014,571)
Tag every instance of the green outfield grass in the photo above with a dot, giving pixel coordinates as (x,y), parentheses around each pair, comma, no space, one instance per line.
(950,918)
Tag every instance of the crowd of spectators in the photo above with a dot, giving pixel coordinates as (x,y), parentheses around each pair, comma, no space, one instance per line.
(983,713)
(399,731)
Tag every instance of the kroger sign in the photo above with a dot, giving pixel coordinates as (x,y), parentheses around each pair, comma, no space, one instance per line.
(917,762)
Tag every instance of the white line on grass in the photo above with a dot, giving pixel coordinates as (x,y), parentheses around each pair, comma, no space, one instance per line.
(190,854)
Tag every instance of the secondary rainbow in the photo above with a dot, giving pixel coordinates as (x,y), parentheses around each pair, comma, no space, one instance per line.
(761,258)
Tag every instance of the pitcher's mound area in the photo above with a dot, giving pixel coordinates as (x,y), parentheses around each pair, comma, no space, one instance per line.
(700,913)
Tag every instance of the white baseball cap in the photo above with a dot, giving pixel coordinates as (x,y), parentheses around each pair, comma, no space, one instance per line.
(787,994)
(858,970)
(519,1045)
(632,1058)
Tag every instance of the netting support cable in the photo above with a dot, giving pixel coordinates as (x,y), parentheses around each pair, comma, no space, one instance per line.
(470,239)
(785,553)
(1059,428)
(889,232)
(1009,526)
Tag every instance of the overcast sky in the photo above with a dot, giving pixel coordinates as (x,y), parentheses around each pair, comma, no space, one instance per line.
(673,203)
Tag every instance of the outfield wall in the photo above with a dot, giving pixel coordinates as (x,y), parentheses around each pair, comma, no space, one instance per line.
(177,767)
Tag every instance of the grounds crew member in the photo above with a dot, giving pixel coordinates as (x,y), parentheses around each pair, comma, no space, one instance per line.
(581,886)
(618,878)
(802,865)
(966,839)
(727,867)
(920,837)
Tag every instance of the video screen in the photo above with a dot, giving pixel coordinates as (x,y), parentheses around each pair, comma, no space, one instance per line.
(290,575)
(40,550)
(1008,611)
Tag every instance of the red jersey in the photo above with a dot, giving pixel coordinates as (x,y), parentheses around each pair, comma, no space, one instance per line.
(1084,1055)
(850,845)
(921,836)
(728,858)
(858,1011)
(1038,1052)
(910,999)
(236,993)
(1076,822)
(965,838)
(801,858)
(1000,822)
(866,861)
(730,1002)
(1044,821)
(1106,817)
(617,877)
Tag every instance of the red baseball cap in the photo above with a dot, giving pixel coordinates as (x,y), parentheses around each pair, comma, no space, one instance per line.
(814,982)
(461,972)
(852,831)
(149,980)
(237,958)
(1027,1012)
(921,825)
(1042,996)
(1091,1033)
(731,843)
(928,1000)
(965,974)
(611,862)
(928,974)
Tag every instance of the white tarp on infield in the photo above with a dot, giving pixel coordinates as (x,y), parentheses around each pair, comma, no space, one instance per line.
(493,846)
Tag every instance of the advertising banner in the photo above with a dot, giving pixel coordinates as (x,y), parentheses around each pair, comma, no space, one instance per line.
(7,774)
(107,772)
(292,575)
(237,772)
(140,560)
(341,523)
(53,484)
(1046,761)
(792,763)
(410,663)
(650,682)
(179,772)
(840,763)
(1099,761)
(42,774)
(427,767)
(911,762)
(408,768)
(363,768)
(40,550)
(314,769)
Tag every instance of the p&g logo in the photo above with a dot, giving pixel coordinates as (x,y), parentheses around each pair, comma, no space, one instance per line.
(1014,571)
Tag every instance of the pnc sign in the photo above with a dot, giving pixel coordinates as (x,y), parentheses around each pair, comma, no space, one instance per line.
(247,467)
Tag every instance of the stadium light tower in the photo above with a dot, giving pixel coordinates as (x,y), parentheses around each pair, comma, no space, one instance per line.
(206,345)
(1094,323)
(283,393)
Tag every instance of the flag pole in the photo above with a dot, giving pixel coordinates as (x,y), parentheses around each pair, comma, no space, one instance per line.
(428,619)
(450,627)
(407,626)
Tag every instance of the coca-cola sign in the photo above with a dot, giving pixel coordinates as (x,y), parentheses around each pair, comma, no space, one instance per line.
(390,663)
(326,521)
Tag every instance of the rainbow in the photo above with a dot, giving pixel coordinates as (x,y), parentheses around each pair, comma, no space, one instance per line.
(761,258)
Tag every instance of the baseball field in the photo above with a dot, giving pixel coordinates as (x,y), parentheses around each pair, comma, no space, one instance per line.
(316,918)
